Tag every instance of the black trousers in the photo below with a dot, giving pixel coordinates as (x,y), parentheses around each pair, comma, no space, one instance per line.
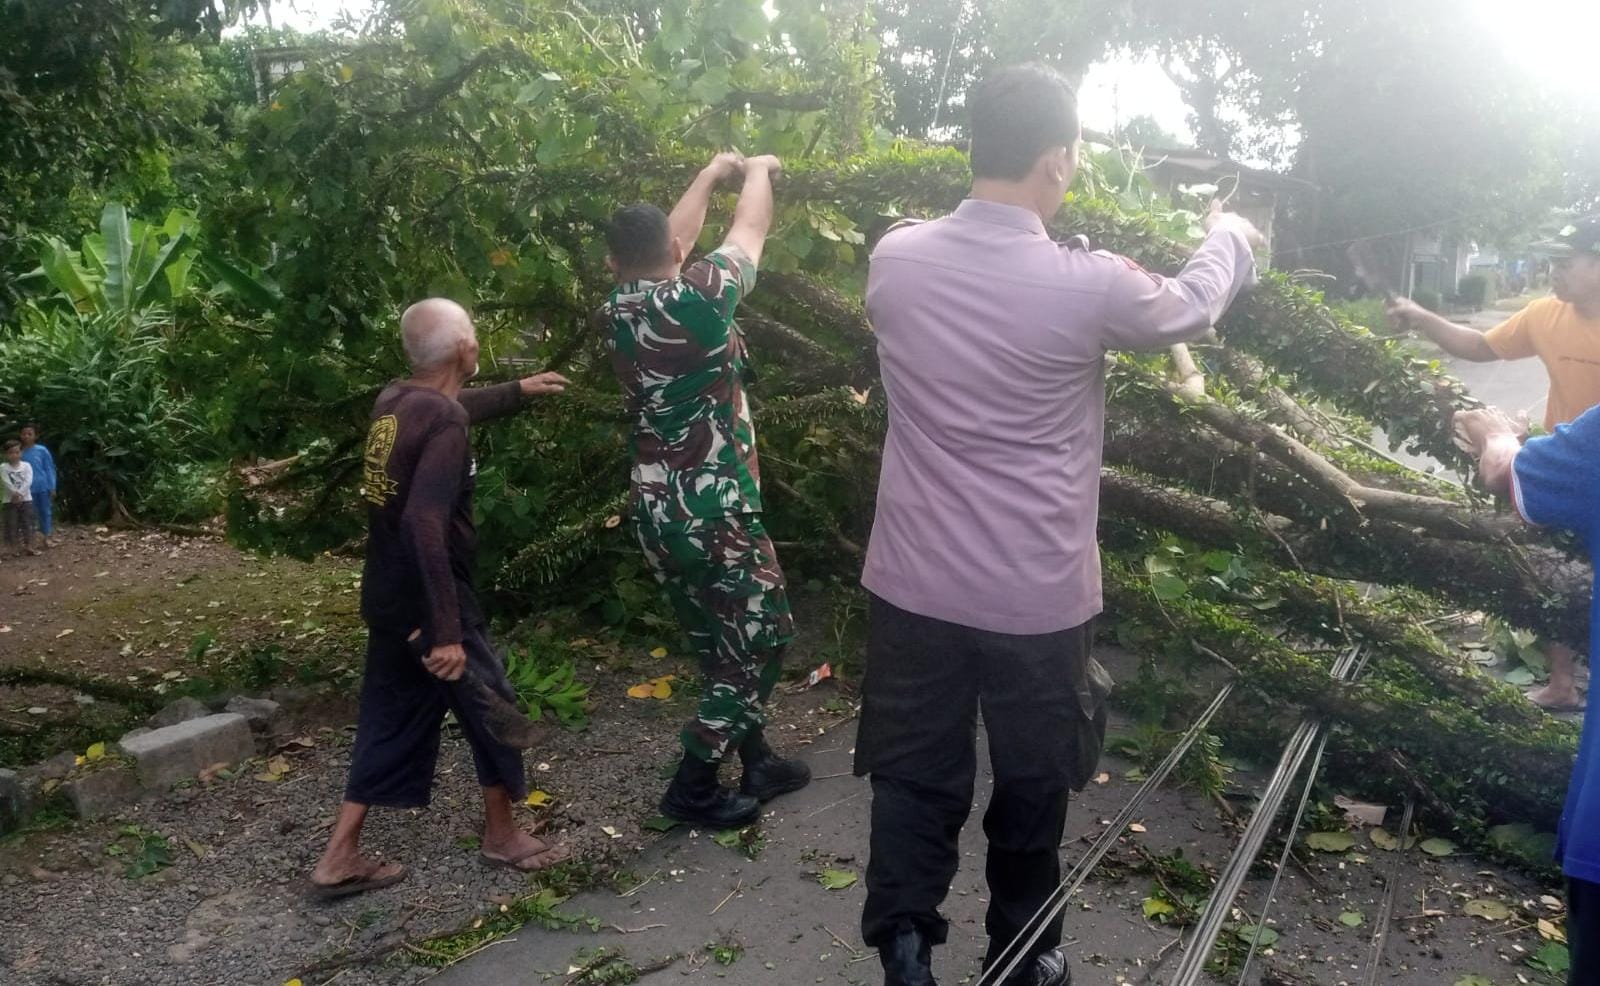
(1043,701)
(1583,932)
(402,710)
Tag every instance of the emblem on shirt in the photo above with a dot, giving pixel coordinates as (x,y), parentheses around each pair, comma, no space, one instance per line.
(376,485)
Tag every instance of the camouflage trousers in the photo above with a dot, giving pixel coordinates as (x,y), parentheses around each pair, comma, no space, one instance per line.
(722,577)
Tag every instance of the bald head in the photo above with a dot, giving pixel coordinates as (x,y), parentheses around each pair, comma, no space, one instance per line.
(432,331)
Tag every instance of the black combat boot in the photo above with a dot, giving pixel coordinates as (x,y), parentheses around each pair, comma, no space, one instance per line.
(695,798)
(767,775)
(1046,969)
(907,959)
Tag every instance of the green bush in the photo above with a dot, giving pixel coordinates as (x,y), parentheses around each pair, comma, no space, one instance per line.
(97,385)
(185,492)
(1428,298)
(1475,291)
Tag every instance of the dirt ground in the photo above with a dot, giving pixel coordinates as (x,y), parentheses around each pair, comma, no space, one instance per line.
(163,615)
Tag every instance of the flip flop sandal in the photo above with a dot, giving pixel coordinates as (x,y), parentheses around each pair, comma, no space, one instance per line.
(350,886)
(557,854)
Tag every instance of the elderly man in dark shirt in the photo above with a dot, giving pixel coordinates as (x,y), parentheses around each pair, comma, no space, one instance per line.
(427,650)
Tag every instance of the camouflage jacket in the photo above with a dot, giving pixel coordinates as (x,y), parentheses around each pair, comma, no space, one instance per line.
(681,361)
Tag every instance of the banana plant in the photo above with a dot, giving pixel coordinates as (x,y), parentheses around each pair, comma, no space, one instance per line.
(131,265)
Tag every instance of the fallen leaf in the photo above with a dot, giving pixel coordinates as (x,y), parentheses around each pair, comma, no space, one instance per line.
(1136,827)
(293,982)
(1554,903)
(1474,981)
(211,773)
(1489,910)
(660,823)
(37,710)
(1102,778)
(1550,931)
(1384,839)
(537,799)
(65,633)
(662,690)
(837,879)
(1263,937)
(608,830)
(1352,919)
(1155,907)
(1330,841)
(659,653)
(79,760)
(642,691)
(96,751)
(199,851)
(5,628)
(1438,847)
(860,396)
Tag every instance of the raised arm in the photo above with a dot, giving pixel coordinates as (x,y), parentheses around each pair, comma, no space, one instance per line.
(752,218)
(689,215)
(1457,340)
(501,399)
(1148,311)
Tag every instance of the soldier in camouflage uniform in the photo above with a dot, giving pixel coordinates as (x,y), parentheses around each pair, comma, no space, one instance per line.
(696,491)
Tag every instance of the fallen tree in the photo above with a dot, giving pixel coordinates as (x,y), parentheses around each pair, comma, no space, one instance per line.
(1255,450)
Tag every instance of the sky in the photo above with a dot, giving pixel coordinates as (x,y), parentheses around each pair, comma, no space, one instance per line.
(1553,38)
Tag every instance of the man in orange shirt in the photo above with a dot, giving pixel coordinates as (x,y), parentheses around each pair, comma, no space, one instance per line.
(1564,332)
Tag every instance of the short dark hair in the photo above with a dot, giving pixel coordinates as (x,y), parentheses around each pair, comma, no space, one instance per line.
(639,237)
(12,443)
(29,426)
(1016,115)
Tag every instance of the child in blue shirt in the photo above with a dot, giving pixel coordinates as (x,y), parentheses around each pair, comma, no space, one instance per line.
(44,480)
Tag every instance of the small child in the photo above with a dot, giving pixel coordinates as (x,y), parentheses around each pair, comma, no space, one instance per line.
(44,480)
(16,490)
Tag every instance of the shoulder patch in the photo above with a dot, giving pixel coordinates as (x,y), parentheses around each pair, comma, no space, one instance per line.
(376,485)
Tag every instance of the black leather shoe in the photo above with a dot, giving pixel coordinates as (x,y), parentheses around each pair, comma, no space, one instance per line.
(907,959)
(695,798)
(767,775)
(1048,969)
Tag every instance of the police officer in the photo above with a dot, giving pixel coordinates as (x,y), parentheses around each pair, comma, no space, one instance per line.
(983,571)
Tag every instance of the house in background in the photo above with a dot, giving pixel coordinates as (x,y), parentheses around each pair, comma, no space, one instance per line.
(1436,262)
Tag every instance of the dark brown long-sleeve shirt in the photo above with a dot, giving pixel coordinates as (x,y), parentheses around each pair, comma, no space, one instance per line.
(418,481)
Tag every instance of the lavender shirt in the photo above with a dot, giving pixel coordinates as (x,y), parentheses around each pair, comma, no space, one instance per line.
(992,340)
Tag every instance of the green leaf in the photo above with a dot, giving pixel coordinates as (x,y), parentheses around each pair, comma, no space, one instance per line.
(164,258)
(1384,839)
(1489,910)
(1330,841)
(1551,957)
(253,291)
(1157,906)
(837,879)
(1168,587)
(1352,919)
(118,285)
(59,265)
(1263,936)
(1217,561)
(660,823)
(1438,847)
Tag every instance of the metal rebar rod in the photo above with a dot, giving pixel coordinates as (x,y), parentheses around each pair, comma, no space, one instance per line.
(1380,930)
(1255,835)
(1053,905)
